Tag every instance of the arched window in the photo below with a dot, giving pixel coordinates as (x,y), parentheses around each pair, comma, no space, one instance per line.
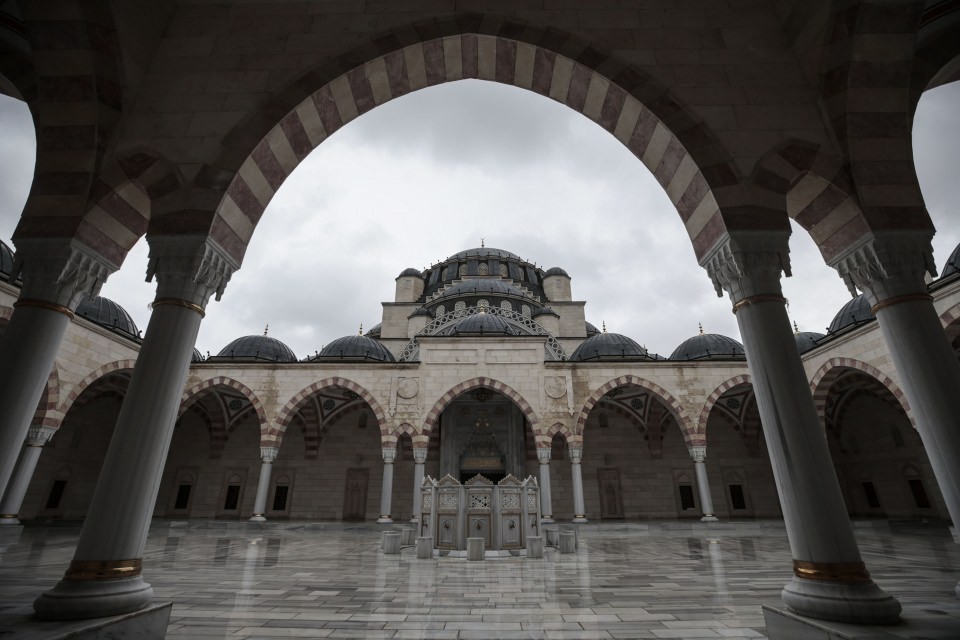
(506,306)
(482,302)
(525,310)
(503,271)
(522,275)
(281,494)
(460,306)
(463,270)
(231,496)
(483,269)
(441,310)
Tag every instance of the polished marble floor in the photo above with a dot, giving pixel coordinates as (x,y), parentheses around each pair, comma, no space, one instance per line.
(634,580)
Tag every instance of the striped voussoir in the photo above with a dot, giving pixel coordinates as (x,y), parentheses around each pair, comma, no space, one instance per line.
(664,396)
(544,438)
(470,385)
(418,440)
(735,381)
(80,387)
(193,393)
(671,142)
(948,319)
(48,413)
(827,374)
(274,434)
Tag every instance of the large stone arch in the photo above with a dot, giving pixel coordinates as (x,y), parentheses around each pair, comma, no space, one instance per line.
(696,171)
(474,383)
(82,386)
(273,434)
(690,434)
(220,432)
(827,374)
(715,395)
(949,321)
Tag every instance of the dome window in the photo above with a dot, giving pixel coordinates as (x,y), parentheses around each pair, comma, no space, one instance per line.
(522,276)
(525,310)
(441,310)
(483,269)
(506,306)
(503,271)
(482,302)
(463,270)
(460,306)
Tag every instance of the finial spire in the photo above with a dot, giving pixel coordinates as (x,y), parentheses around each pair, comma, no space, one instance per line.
(360,332)
(604,326)
(796,329)
(700,324)
(266,328)
(481,243)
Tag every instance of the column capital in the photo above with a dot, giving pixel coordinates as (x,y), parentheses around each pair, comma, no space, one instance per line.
(58,271)
(189,268)
(268,454)
(543,455)
(389,454)
(887,265)
(39,435)
(419,455)
(575,453)
(698,453)
(746,264)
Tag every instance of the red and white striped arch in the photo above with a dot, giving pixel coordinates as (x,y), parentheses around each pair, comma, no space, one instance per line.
(827,374)
(272,435)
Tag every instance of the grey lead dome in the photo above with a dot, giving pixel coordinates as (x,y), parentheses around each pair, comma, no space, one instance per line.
(360,348)
(609,346)
(257,348)
(709,346)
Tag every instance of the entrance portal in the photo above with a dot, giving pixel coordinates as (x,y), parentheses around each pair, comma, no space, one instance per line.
(482,433)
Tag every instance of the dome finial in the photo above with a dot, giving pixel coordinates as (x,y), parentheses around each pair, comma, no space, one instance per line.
(700,324)
(266,328)
(796,329)
(604,326)
(481,243)
(360,332)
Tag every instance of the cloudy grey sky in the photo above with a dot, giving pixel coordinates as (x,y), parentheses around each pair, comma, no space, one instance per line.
(430,174)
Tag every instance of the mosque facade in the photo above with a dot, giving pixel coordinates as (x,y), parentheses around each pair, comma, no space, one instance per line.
(481,343)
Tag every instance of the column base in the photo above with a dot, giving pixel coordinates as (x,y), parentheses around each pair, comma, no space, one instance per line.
(81,599)
(709,517)
(9,519)
(547,520)
(579,519)
(257,517)
(856,603)
(384,520)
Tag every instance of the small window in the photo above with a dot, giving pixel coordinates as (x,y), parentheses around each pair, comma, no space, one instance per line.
(232,501)
(522,277)
(525,310)
(183,496)
(280,498)
(362,421)
(462,271)
(737,499)
(460,306)
(56,494)
(483,302)
(870,492)
(919,493)
(483,269)
(503,271)
(686,497)
(604,421)
(897,437)
(441,310)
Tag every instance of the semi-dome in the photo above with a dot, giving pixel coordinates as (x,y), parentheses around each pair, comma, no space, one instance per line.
(109,314)
(421,311)
(953,263)
(6,260)
(709,346)
(196,356)
(259,348)
(480,324)
(374,331)
(359,348)
(556,271)
(855,312)
(609,346)
(410,271)
(806,340)
(545,311)
(483,252)
(592,330)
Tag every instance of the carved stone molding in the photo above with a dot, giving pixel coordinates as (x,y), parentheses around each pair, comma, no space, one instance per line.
(62,272)
(268,454)
(884,266)
(746,264)
(419,455)
(575,454)
(189,268)
(543,455)
(39,435)
(698,453)
(389,454)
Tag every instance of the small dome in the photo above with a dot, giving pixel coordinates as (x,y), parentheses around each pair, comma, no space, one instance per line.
(360,348)
(261,348)
(6,260)
(855,312)
(374,331)
(592,330)
(197,356)
(609,346)
(953,263)
(109,314)
(556,271)
(806,340)
(545,311)
(709,346)
(484,252)
(421,311)
(481,324)
(410,272)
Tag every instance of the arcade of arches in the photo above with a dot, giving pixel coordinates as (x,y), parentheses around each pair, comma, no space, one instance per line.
(180,120)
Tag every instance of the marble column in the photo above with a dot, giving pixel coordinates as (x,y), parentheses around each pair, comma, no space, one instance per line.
(57,276)
(546,501)
(104,577)
(699,455)
(267,456)
(579,512)
(830,580)
(386,492)
(419,458)
(37,436)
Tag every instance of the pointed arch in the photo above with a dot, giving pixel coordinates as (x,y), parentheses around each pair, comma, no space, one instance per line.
(273,434)
(220,434)
(715,395)
(80,387)
(827,374)
(470,385)
(544,439)
(690,433)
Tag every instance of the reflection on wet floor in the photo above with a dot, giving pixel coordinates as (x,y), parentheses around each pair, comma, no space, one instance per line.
(643,580)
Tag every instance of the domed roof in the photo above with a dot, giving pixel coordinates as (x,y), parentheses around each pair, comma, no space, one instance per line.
(480,324)
(410,271)
(855,312)
(806,340)
(545,311)
(953,263)
(484,252)
(709,346)
(374,331)
(592,330)
(421,311)
(355,348)
(609,346)
(257,348)
(109,314)
(196,356)
(556,271)
(484,286)
(6,260)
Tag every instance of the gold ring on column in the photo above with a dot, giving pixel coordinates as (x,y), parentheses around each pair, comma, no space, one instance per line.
(103,569)
(762,297)
(9,516)
(43,304)
(844,572)
(177,302)
(907,297)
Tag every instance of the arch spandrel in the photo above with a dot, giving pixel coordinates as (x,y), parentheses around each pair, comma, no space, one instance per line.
(194,392)
(715,395)
(272,435)
(828,372)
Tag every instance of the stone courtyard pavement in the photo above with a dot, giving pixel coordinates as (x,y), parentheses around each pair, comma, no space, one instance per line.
(633,580)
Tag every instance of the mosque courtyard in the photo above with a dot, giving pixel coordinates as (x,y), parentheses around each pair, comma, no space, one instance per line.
(657,579)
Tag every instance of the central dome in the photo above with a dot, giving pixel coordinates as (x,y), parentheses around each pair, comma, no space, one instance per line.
(483,252)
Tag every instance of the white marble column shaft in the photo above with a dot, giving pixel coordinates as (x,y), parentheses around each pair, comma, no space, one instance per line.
(703,483)
(37,436)
(419,458)
(546,500)
(267,456)
(386,491)
(579,511)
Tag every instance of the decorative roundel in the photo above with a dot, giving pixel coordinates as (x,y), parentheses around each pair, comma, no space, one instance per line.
(636,403)
(733,403)
(329,404)
(235,404)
